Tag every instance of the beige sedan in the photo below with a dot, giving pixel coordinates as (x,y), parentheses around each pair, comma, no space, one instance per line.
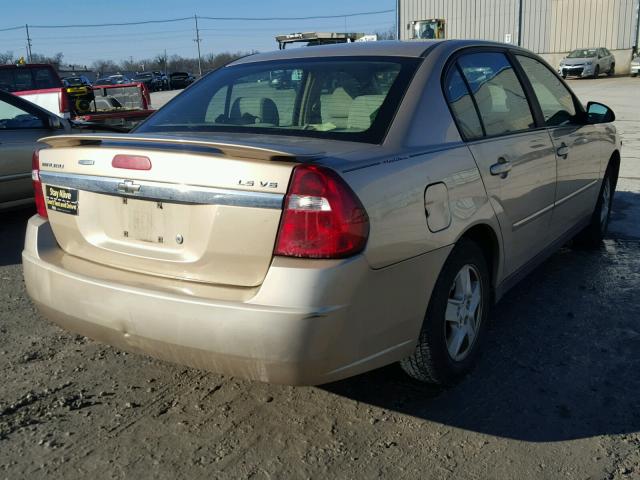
(306,215)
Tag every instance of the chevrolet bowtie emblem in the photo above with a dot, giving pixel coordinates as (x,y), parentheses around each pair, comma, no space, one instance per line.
(128,187)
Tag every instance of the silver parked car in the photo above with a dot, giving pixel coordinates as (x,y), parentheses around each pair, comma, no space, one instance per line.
(635,65)
(22,123)
(368,208)
(588,62)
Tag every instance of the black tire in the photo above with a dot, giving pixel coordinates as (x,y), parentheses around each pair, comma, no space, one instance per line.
(431,362)
(634,75)
(593,234)
(612,70)
(596,72)
(564,77)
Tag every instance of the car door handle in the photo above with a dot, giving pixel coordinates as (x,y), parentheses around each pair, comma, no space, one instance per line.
(502,168)
(562,151)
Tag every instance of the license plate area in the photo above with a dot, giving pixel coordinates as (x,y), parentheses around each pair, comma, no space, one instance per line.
(144,221)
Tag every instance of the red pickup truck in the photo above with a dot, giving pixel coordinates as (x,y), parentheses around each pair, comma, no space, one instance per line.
(120,105)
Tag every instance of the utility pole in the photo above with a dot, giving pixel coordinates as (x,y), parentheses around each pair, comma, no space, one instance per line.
(28,43)
(197,40)
(397,19)
(519,23)
(636,40)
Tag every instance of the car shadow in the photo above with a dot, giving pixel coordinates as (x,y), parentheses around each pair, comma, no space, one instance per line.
(561,361)
(13,225)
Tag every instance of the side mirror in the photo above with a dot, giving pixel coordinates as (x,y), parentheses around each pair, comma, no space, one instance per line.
(599,113)
(56,123)
(53,122)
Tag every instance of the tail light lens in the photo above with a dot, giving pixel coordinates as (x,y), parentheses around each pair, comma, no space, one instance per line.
(63,101)
(41,206)
(322,217)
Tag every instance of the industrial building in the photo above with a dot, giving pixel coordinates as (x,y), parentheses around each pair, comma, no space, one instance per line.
(551,28)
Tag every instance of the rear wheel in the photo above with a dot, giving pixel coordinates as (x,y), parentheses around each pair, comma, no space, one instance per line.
(634,74)
(612,70)
(593,234)
(455,322)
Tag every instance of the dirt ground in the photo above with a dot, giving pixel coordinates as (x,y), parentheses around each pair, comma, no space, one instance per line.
(556,393)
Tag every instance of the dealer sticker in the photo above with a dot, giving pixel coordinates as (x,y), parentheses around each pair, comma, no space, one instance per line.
(60,199)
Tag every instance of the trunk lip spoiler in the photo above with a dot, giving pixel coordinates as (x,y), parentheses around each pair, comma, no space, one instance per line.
(164,192)
(236,150)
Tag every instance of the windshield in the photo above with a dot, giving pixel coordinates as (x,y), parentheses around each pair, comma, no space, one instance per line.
(590,53)
(349,98)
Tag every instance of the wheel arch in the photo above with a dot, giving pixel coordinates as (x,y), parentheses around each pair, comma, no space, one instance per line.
(614,165)
(486,238)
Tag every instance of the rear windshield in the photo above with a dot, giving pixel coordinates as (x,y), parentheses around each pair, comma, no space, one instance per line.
(19,79)
(346,98)
(590,53)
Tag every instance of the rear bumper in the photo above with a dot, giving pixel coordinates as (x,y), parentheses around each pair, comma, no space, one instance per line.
(309,323)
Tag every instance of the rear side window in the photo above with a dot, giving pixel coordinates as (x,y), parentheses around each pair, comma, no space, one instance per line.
(555,100)
(462,105)
(498,93)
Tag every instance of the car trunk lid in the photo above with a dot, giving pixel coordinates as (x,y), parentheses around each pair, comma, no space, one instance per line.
(203,211)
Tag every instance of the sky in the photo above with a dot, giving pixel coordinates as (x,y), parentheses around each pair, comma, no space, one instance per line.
(82,46)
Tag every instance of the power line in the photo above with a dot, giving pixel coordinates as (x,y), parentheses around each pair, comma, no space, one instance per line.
(87,25)
(11,28)
(314,17)
(182,19)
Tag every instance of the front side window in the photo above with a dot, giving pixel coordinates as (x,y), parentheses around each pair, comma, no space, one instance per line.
(341,98)
(555,100)
(498,93)
(13,118)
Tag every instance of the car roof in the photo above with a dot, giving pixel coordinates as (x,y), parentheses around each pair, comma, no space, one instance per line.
(384,48)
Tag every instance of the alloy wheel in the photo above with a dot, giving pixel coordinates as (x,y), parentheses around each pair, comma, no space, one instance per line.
(464,312)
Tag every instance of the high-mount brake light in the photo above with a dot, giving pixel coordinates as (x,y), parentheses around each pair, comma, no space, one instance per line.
(131,162)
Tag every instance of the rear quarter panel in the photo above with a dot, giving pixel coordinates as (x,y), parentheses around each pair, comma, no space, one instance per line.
(393,189)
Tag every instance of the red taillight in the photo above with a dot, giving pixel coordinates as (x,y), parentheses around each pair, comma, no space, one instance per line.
(322,217)
(63,101)
(131,162)
(41,206)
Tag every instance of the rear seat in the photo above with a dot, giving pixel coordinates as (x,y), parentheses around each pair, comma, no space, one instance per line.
(363,111)
(334,107)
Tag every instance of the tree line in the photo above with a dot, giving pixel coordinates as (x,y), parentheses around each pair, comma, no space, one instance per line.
(173,63)
(161,62)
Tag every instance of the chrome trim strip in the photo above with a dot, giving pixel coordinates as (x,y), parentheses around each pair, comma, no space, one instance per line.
(535,215)
(17,176)
(577,192)
(166,192)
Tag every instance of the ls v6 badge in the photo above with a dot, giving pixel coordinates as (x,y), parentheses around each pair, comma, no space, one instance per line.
(259,183)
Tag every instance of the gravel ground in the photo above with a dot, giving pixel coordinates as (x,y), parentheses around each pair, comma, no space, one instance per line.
(556,394)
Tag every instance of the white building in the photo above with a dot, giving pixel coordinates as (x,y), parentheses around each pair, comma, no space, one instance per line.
(551,28)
